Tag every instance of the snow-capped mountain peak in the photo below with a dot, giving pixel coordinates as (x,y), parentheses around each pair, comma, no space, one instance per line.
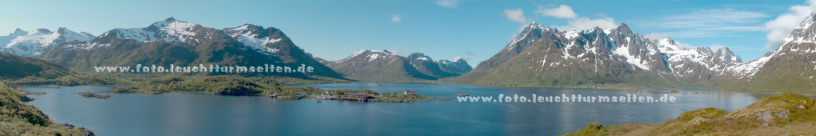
(809,20)
(804,33)
(255,37)
(71,36)
(175,28)
(529,35)
(19,32)
(169,29)
(799,41)
(369,55)
(36,42)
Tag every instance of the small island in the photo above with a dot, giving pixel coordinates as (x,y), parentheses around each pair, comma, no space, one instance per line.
(371,96)
(257,86)
(94,95)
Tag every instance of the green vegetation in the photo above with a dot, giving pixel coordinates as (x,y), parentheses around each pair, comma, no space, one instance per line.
(18,67)
(94,95)
(786,114)
(18,118)
(593,129)
(224,85)
(67,80)
(20,70)
(221,85)
(397,96)
(238,85)
(674,91)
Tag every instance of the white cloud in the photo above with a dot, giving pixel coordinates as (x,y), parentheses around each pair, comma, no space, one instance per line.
(780,27)
(515,15)
(458,57)
(396,18)
(659,36)
(576,22)
(716,47)
(584,23)
(713,18)
(683,45)
(562,11)
(656,36)
(447,3)
(709,23)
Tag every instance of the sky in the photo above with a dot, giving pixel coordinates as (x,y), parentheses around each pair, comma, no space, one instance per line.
(441,29)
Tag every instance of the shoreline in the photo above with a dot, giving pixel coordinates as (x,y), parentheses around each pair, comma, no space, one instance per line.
(113,89)
(604,88)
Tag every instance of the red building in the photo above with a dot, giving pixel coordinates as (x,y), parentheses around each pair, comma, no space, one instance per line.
(410,93)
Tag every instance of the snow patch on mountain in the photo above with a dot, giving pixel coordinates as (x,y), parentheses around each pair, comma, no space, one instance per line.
(373,57)
(750,68)
(634,60)
(251,39)
(166,30)
(138,34)
(176,29)
(571,34)
(87,46)
(802,34)
(678,55)
(370,55)
(793,43)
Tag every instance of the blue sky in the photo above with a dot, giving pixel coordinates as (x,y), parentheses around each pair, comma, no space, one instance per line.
(442,29)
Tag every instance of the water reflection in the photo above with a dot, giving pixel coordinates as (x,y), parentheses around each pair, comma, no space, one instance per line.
(200,114)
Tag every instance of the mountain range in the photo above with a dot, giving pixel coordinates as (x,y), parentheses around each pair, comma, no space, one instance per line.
(545,56)
(172,41)
(166,42)
(383,65)
(38,41)
(538,56)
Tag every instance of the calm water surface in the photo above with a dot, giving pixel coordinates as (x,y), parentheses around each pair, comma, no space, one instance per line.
(201,114)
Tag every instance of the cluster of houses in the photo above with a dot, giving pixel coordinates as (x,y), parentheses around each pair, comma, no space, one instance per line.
(354,96)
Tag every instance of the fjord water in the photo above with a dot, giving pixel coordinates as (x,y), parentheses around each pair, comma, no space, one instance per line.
(202,114)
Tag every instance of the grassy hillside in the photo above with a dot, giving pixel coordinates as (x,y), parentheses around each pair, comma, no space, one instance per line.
(786,114)
(21,70)
(18,118)
(15,67)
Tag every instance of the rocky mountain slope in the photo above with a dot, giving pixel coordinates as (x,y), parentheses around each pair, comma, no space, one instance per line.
(384,66)
(544,56)
(788,68)
(172,41)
